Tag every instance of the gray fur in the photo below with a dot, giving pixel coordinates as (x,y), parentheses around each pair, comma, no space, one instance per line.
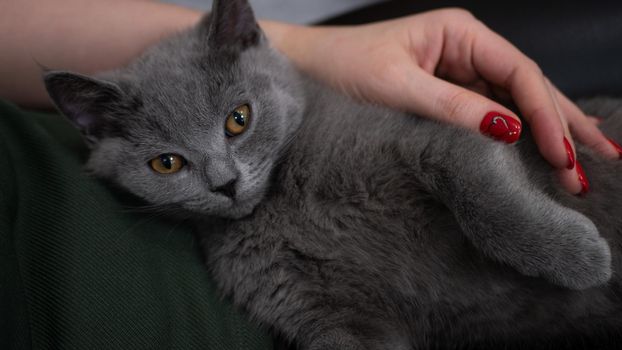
(353,226)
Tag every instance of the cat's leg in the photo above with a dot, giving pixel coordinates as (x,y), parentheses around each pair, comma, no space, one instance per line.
(486,187)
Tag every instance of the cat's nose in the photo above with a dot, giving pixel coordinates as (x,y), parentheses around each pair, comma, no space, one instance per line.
(227,189)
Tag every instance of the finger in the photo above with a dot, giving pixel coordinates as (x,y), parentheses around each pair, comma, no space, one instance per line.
(453,104)
(573,178)
(574,181)
(585,129)
(568,139)
(594,120)
(497,61)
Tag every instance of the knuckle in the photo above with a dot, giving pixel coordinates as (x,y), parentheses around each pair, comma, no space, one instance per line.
(454,105)
(391,72)
(534,67)
(454,15)
(459,13)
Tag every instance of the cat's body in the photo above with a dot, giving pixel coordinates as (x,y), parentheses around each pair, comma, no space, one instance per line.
(341,225)
(375,256)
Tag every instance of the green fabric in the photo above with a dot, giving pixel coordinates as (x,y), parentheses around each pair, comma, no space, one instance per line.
(80,269)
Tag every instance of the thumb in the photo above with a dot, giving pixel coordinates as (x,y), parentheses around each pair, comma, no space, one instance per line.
(434,98)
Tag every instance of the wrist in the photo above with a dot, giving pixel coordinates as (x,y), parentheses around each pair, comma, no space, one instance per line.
(299,43)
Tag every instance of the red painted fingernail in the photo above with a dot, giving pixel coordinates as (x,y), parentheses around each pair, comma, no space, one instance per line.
(501,127)
(617,147)
(585,185)
(570,152)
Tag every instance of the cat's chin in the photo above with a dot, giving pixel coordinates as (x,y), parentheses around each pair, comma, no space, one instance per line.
(234,210)
(237,211)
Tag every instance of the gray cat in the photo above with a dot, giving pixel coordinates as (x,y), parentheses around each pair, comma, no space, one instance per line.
(341,225)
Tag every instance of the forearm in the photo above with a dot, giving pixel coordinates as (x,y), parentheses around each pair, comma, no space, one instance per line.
(84,36)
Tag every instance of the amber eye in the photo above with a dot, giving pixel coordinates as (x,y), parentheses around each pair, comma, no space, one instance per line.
(167,163)
(237,121)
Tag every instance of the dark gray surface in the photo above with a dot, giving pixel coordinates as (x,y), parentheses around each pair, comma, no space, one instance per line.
(293,11)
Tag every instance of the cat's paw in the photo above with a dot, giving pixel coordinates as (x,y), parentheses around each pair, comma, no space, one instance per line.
(575,256)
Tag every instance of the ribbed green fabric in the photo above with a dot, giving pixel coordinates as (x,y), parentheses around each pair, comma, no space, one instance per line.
(80,269)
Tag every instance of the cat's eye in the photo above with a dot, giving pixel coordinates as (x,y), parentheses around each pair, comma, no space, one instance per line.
(237,121)
(167,163)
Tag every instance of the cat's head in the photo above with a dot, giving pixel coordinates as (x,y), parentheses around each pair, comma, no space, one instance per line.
(198,122)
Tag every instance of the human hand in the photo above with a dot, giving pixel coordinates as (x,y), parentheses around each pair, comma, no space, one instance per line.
(446,65)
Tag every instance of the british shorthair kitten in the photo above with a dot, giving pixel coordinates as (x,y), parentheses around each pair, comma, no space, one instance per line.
(341,225)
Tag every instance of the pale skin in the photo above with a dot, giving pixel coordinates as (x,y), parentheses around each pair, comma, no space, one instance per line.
(442,64)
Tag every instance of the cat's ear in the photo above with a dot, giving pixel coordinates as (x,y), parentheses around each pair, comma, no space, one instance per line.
(84,100)
(231,26)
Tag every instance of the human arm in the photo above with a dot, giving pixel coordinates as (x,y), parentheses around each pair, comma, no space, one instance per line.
(82,35)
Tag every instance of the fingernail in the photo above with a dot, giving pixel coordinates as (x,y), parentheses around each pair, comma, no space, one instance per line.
(570,152)
(617,147)
(585,185)
(501,127)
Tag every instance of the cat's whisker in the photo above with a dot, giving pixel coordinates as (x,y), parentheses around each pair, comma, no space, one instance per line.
(180,222)
(141,209)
